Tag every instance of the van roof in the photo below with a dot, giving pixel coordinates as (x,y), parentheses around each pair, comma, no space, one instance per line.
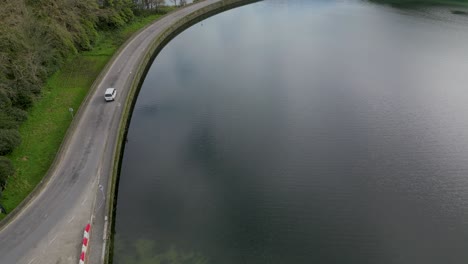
(109,90)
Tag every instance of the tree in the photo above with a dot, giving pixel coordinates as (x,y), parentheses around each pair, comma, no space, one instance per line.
(6,170)
(116,13)
(36,38)
(9,139)
(5,102)
(157,4)
(7,121)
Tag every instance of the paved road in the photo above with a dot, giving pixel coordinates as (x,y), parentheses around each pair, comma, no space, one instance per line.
(49,230)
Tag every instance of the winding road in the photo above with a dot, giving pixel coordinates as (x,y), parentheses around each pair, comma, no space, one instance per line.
(49,229)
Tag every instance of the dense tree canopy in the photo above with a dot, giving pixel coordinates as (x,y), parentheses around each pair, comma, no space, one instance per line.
(36,37)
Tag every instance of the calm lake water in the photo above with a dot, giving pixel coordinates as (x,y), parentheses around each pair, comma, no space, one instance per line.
(301,132)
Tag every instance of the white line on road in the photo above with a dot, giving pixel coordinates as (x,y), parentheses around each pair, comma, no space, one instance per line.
(53,239)
(71,219)
(84,201)
(103,253)
(31,261)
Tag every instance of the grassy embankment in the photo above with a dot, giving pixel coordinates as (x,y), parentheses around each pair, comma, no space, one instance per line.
(49,118)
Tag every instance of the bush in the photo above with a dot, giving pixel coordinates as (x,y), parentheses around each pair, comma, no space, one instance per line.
(5,102)
(6,170)
(7,121)
(23,99)
(116,13)
(9,139)
(17,114)
(12,117)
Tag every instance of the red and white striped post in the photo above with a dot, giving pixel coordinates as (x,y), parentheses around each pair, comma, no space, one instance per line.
(84,246)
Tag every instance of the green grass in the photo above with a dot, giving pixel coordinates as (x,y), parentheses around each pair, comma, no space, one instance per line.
(49,118)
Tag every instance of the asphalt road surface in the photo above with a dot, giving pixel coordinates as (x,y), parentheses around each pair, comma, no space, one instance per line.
(49,230)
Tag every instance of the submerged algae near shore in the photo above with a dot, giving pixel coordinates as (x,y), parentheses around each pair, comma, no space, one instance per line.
(146,251)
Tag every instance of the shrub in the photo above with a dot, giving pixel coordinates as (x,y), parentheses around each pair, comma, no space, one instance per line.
(6,170)
(23,99)
(5,102)
(17,114)
(7,121)
(9,139)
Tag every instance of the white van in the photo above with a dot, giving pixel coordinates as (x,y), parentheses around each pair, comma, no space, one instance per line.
(110,94)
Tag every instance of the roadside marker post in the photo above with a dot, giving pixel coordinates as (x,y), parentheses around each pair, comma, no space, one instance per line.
(85,243)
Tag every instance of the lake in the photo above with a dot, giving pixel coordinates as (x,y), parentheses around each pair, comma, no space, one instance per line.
(327,131)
